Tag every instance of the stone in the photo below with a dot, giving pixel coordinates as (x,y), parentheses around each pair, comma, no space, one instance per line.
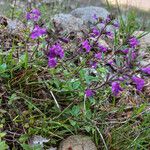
(11,33)
(15,26)
(51,1)
(145,40)
(77,142)
(86,13)
(68,22)
(144,47)
(52,148)
(37,140)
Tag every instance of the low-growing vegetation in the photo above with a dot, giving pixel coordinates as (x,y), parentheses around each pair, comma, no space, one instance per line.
(55,84)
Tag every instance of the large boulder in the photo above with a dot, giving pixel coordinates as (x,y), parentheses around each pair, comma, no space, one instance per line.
(68,22)
(86,13)
(79,18)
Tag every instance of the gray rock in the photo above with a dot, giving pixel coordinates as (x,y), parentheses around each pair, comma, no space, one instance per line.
(15,26)
(51,1)
(37,140)
(86,13)
(144,46)
(68,22)
(145,40)
(77,142)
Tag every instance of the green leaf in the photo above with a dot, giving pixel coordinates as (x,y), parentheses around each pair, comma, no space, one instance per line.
(28,147)
(3,67)
(2,134)
(72,122)
(23,138)
(12,98)
(3,145)
(75,111)
(76,85)
(88,128)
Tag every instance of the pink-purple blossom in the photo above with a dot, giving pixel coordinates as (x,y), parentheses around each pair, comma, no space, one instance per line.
(133,55)
(108,19)
(102,48)
(98,55)
(116,88)
(86,46)
(89,93)
(55,52)
(37,32)
(146,70)
(95,31)
(116,24)
(109,34)
(93,64)
(133,42)
(139,82)
(33,15)
(52,62)
(125,51)
(95,17)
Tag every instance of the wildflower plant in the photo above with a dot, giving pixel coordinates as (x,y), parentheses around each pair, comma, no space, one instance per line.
(59,84)
(119,57)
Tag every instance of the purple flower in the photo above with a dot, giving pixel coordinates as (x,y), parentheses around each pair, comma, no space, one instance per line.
(33,15)
(121,79)
(139,82)
(89,93)
(116,24)
(103,48)
(116,88)
(108,19)
(146,70)
(37,31)
(93,64)
(133,42)
(56,51)
(59,50)
(110,62)
(133,55)
(109,34)
(52,62)
(95,17)
(98,55)
(125,51)
(95,31)
(86,45)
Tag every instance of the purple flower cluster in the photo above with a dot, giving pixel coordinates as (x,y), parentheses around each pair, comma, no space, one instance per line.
(133,42)
(98,53)
(89,93)
(139,82)
(103,48)
(116,88)
(146,70)
(37,32)
(86,46)
(33,15)
(95,32)
(55,52)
